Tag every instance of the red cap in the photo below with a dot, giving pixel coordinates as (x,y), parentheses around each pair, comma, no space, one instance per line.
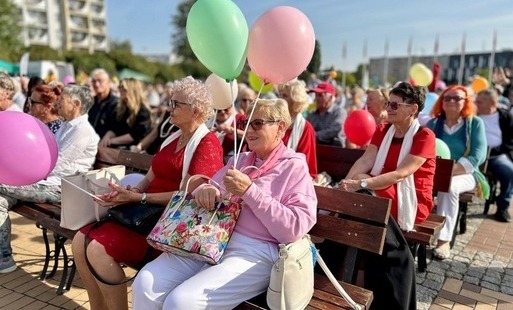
(324,87)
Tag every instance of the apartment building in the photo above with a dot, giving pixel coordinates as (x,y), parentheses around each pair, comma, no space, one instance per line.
(65,24)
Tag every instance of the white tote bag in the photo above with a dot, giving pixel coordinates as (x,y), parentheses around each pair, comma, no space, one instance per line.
(77,205)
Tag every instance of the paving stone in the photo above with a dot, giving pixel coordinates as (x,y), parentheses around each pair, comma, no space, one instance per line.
(472,280)
(473,272)
(506,289)
(490,286)
(493,280)
(452,274)
(433,284)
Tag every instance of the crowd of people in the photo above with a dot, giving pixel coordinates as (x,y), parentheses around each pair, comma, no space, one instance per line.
(177,123)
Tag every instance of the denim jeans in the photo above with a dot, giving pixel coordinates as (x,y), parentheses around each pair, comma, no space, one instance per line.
(502,168)
(9,196)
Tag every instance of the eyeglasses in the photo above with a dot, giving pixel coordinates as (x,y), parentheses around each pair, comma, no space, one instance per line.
(394,105)
(173,104)
(455,98)
(100,81)
(32,102)
(224,110)
(256,124)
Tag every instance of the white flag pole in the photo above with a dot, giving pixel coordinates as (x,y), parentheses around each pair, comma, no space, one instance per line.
(385,65)
(462,59)
(491,61)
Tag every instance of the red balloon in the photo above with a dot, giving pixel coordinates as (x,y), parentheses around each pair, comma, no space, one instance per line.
(359,127)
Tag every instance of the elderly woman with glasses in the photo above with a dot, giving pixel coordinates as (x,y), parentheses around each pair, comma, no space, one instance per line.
(399,163)
(225,128)
(191,150)
(41,105)
(300,136)
(278,206)
(455,123)
(78,144)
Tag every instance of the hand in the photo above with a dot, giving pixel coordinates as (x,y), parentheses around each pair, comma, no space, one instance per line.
(105,142)
(118,195)
(236,182)
(207,196)
(349,185)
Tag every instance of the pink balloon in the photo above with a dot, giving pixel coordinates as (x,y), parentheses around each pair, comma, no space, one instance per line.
(28,149)
(281,44)
(359,127)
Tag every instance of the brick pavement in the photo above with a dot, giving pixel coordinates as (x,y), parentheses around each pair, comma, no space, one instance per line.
(479,274)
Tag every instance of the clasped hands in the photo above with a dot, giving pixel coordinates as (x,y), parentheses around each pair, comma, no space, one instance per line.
(352,185)
(235,182)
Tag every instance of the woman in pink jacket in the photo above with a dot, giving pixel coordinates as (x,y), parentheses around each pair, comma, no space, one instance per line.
(278,206)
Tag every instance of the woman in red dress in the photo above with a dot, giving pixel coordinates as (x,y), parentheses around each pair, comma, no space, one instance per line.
(191,150)
(399,163)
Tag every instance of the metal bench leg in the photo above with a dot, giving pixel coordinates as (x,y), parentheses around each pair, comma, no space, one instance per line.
(422,258)
(48,252)
(59,246)
(71,263)
(463,218)
(64,277)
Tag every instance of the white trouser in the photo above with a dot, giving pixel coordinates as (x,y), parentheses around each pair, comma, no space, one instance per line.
(448,203)
(180,283)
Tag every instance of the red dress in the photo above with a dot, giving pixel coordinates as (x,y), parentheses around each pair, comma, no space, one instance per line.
(130,248)
(228,142)
(423,146)
(306,146)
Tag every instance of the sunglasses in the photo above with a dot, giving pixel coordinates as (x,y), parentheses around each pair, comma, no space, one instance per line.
(256,124)
(173,104)
(32,102)
(394,105)
(451,98)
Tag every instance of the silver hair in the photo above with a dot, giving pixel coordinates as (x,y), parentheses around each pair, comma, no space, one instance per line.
(99,71)
(82,94)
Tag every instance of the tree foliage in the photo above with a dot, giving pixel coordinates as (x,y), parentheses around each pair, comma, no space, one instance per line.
(10,20)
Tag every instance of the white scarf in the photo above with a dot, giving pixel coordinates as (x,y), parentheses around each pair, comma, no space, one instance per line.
(298,126)
(406,195)
(221,134)
(190,148)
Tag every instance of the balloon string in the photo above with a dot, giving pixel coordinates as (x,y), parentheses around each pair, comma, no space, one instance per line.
(235,134)
(247,125)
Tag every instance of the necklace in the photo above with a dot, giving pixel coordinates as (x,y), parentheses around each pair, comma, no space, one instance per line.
(182,140)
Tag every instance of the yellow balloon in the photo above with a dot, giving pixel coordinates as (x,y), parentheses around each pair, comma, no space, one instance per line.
(479,84)
(256,83)
(421,74)
(333,74)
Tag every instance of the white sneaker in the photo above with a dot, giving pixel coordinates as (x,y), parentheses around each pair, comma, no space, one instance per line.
(7,264)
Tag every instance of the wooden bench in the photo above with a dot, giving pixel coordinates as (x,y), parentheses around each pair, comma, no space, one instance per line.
(48,216)
(337,162)
(355,220)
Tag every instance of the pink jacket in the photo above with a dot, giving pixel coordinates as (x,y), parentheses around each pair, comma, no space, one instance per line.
(280,206)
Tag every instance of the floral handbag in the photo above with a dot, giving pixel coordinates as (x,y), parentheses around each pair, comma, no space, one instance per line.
(188,230)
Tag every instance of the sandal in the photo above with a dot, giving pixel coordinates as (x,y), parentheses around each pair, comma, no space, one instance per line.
(442,253)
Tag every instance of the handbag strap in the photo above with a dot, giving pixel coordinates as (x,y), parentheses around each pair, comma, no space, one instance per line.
(91,268)
(334,281)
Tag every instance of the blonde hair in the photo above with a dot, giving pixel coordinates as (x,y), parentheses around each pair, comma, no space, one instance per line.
(198,96)
(134,101)
(383,92)
(296,91)
(273,109)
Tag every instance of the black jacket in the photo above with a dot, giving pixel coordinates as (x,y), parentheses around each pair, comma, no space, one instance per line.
(101,113)
(506,125)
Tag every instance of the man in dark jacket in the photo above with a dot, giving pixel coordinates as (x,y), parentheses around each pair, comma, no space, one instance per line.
(499,135)
(105,103)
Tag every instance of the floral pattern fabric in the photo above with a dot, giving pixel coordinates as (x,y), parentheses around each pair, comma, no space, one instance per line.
(188,230)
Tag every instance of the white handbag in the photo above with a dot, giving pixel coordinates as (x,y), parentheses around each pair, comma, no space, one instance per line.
(77,205)
(292,278)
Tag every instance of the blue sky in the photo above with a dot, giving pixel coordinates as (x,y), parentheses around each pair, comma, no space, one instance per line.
(147,25)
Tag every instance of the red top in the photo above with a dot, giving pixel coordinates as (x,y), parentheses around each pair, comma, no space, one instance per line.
(167,165)
(128,247)
(423,146)
(306,146)
(228,142)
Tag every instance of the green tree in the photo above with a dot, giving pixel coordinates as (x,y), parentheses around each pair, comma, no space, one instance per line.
(121,46)
(10,19)
(315,63)
(40,52)
(190,63)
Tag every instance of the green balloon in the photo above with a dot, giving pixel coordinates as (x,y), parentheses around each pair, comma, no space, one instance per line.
(442,150)
(218,34)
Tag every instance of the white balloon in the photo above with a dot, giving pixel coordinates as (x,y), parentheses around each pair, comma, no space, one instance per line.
(131,179)
(223,93)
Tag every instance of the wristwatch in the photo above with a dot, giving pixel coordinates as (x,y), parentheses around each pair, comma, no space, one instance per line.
(143,198)
(363,184)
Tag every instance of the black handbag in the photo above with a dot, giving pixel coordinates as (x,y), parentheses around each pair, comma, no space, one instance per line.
(136,216)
